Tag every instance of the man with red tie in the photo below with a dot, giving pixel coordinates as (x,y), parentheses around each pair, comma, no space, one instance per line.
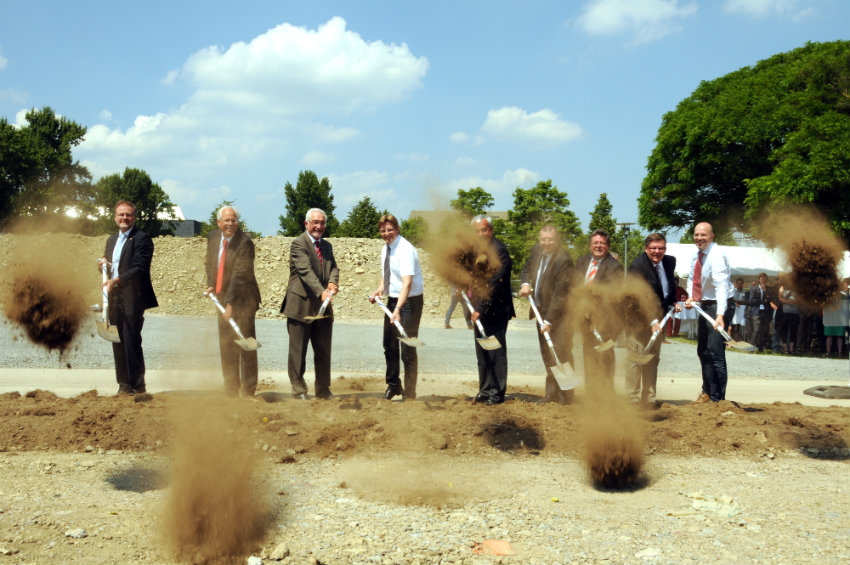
(230,275)
(708,284)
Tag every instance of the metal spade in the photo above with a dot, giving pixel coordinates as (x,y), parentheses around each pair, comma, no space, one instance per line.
(104,330)
(488,342)
(246,343)
(603,344)
(741,345)
(644,357)
(566,380)
(405,339)
(322,309)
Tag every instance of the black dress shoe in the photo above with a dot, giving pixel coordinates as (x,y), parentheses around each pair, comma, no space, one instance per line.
(299,396)
(391,392)
(494,401)
(480,398)
(325,396)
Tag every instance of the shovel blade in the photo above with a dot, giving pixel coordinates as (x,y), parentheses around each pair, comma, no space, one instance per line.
(565,376)
(604,346)
(411,341)
(489,343)
(248,344)
(107,332)
(741,345)
(314,318)
(640,358)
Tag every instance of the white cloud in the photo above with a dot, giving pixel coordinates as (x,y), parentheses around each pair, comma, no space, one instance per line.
(459,137)
(3,61)
(105,115)
(510,122)
(767,8)
(644,20)
(315,158)
(501,188)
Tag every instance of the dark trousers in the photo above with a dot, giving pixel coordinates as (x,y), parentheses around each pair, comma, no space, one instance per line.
(318,334)
(129,357)
(711,350)
(641,380)
(562,350)
(493,363)
(411,314)
(761,328)
(238,367)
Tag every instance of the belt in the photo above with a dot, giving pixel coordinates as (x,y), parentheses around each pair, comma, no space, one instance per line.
(708,302)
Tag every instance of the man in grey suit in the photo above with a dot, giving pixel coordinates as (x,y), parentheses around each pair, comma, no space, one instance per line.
(230,275)
(546,278)
(313,277)
(598,268)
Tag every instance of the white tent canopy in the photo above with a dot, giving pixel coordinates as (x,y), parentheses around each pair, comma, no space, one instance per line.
(745,261)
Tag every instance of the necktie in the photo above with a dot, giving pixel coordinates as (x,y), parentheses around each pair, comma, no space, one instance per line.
(220,274)
(665,290)
(318,250)
(592,273)
(543,264)
(387,272)
(696,292)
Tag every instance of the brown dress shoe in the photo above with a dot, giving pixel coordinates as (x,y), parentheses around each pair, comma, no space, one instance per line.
(702,398)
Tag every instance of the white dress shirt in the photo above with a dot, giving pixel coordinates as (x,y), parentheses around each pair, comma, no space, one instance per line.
(715,276)
(404,261)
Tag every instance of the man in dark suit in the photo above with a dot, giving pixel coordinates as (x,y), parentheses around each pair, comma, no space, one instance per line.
(760,302)
(546,278)
(656,268)
(494,309)
(313,277)
(598,268)
(128,254)
(230,275)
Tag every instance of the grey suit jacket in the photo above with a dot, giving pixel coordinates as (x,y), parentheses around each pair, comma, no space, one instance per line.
(308,278)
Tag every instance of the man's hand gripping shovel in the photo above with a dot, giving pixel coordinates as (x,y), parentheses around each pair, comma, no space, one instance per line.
(104,330)
(246,343)
(566,380)
(644,357)
(742,345)
(486,342)
(405,339)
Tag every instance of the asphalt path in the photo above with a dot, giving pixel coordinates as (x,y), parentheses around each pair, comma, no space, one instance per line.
(187,346)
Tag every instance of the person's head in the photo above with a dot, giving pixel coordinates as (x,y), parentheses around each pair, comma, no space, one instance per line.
(314,222)
(762,279)
(676,281)
(548,239)
(227,220)
(703,235)
(600,242)
(846,282)
(483,226)
(388,227)
(125,215)
(655,246)
(739,283)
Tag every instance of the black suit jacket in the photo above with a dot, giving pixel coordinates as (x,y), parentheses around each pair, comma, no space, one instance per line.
(238,283)
(554,284)
(643,267)
(134,292)
(497,307)
(608,270)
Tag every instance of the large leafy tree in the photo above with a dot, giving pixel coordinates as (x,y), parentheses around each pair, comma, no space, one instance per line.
(136,186)
(774,133)
(362,221)
(38,175)
(308,192)
(212,223)
(472,202)
(534,207)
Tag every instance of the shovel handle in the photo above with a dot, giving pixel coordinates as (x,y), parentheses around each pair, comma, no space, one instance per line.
(656,333)
(472,311)
(390,316)
(103,291)
(231,320)
(712,321)
(325,303)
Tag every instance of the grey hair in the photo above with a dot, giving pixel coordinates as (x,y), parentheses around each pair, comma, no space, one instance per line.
(310,213)
(225,207)
(482,218)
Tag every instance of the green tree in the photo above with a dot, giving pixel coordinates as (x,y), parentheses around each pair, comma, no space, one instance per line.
(534,207)
(309,192)
(135,186)
(415,230)
(362,221)
(472,202)
(772,134)
(38,175)
(212,223)
(600,217)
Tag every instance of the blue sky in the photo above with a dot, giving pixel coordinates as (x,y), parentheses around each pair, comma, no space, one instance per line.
(402,102)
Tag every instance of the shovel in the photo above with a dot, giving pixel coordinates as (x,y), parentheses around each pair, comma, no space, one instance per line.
(246,343)
(742,345)
(322,309)
(566,381)
(644,357)
(104,330)
(405,339)
(603,345)
(486,342)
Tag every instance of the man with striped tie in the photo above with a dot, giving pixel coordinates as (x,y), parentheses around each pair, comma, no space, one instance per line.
(708,284)
(598,268)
